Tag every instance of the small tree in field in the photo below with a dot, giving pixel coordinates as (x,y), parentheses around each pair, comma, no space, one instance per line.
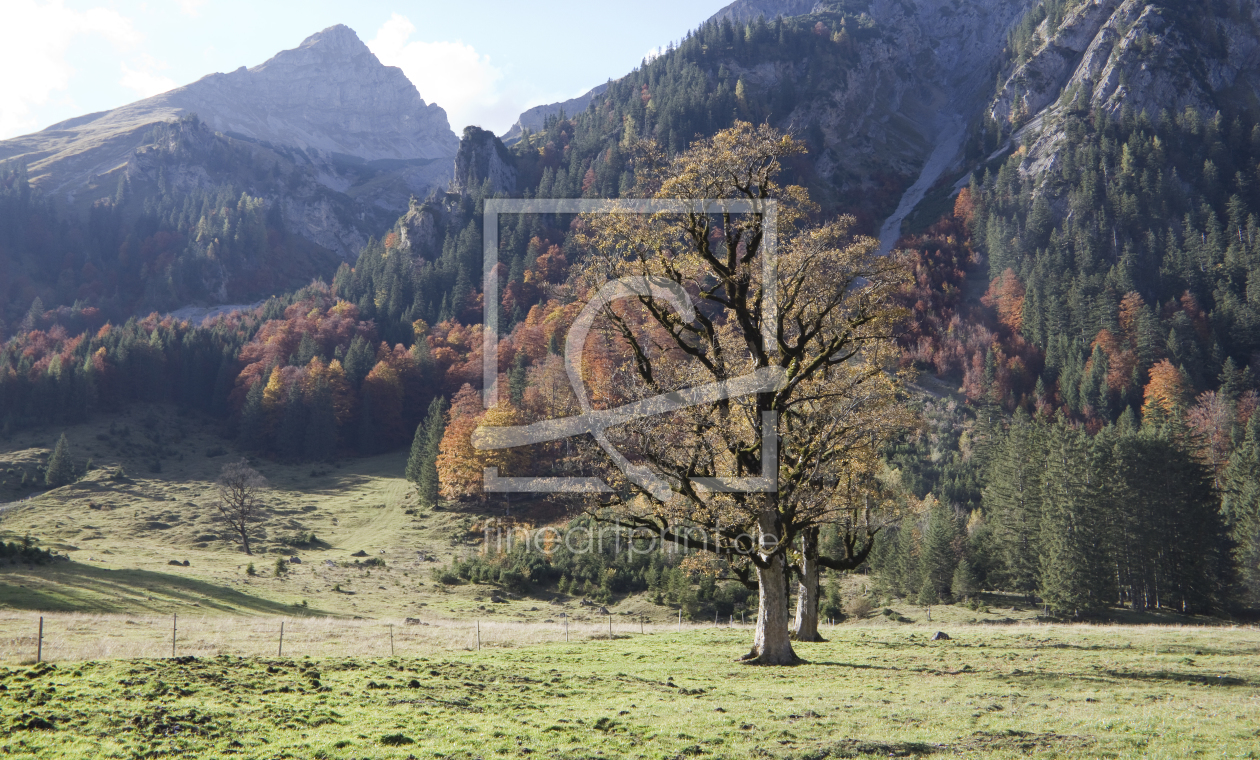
(239,489)
(60,466)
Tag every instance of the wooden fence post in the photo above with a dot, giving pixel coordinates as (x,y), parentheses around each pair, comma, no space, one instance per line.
(174,622)
(39,644)
(680,619)
(280,651)
(478,635)
(566,628)
(391,639)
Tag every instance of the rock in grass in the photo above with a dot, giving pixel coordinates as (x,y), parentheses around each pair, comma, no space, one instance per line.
(396,740)
(940,636)
(359,553)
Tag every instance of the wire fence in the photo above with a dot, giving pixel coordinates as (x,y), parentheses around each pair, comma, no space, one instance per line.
(73,637)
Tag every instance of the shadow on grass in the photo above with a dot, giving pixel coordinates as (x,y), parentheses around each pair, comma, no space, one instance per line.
(853,665)
(1205,679)
(861,748)
(75,587)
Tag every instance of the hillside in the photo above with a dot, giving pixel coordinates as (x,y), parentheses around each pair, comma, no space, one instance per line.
(124,211)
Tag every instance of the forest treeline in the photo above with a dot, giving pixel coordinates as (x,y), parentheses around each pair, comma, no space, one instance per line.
(1128,516)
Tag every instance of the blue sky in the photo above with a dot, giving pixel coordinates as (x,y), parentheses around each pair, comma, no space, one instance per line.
(483,61)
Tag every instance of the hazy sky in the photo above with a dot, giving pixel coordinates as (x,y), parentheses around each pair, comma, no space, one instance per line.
(484,62)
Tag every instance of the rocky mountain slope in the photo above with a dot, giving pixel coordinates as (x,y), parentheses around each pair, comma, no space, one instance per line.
(1105,56)
(534,118)
(342,120)
(900,79)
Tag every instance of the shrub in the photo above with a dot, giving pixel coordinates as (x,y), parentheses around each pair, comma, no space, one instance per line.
(445,576)
(861,607)
(249,569)
(26,552)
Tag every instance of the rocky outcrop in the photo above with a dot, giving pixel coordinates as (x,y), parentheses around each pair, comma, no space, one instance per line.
(1109,55)
(418,229)
(483,158)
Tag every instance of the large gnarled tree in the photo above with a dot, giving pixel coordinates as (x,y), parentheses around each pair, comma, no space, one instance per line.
(817,348)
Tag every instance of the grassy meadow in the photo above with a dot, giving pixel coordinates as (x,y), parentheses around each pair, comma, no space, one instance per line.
(383,662)
(871,691)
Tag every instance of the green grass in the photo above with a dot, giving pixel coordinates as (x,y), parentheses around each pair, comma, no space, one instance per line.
(1065,691)
(1001,688)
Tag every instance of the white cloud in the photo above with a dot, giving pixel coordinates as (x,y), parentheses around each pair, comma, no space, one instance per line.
(452,74)
(33,55)
(146,83)
(192,7)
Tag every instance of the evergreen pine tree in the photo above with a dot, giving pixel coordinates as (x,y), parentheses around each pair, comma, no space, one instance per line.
(963,585)
(252,431)
(1241,508)
(832,605)
(427,473)
(321,429)
(908,570)
(1012,501)
(1167,523)
(516,379)
(60,470)
(938,552)
(292,433)
(1073,577)
(365,440)
(359,361)
(416,458)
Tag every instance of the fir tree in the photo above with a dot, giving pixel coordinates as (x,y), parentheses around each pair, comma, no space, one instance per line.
(427,474)
(1073,578)
(366,441)
(1013,501)
(60,470)
(321,429)
(1241,508)
(963,585)
(292,433)
(938,558)
(252,431)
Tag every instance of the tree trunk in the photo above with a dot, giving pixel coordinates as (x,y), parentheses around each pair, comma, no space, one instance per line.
(771,644)
(806,626)
(245,541)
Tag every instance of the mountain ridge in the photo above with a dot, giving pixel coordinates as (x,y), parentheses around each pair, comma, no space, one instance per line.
(329,96)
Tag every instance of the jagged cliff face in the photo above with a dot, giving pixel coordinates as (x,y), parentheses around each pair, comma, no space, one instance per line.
(482,158)
(352,139)
(1108,55)
(927,73)
(932,65)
